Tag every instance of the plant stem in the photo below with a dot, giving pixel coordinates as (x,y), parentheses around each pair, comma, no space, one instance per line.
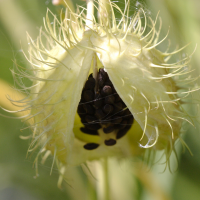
(65,3)
(92,192)
(90,14)
(105,10)
(106,180)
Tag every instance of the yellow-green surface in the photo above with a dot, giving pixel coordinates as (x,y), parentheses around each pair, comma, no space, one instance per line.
(17,175)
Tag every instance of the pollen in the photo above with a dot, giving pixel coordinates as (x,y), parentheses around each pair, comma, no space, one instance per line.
(101,108)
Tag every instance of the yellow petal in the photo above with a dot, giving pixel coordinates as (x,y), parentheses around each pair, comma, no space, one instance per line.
(142,87)
(56,102)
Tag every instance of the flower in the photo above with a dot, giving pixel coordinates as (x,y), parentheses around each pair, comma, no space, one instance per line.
(71,71)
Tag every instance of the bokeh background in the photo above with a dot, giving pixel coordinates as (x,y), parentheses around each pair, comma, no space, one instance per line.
(17,176)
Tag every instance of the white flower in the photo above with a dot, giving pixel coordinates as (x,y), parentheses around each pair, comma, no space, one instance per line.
(151,88)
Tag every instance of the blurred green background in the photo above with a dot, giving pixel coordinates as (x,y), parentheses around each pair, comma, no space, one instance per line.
(17,180)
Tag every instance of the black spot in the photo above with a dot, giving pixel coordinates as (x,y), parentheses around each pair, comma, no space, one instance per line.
(116,119)
(88,131)
(107,90)
(110,99)
(88,95)
(117,98)
(90,118)
(110,142)
(127,114)
(108,108)
(81,110)
(98,101)
(93,127)
(89,109)
(102,76)
(99,114)
(130,120)
(122,125)
(101,107)
(90,146)
(122,132)
(108,82)
(108,129)
(90,83)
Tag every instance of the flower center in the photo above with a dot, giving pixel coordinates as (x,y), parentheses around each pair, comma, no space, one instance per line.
(101,108)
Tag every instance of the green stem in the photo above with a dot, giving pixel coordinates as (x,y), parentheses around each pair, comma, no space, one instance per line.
(105,10)
(66,3)
(92,192)
(106,180)
(90,14)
